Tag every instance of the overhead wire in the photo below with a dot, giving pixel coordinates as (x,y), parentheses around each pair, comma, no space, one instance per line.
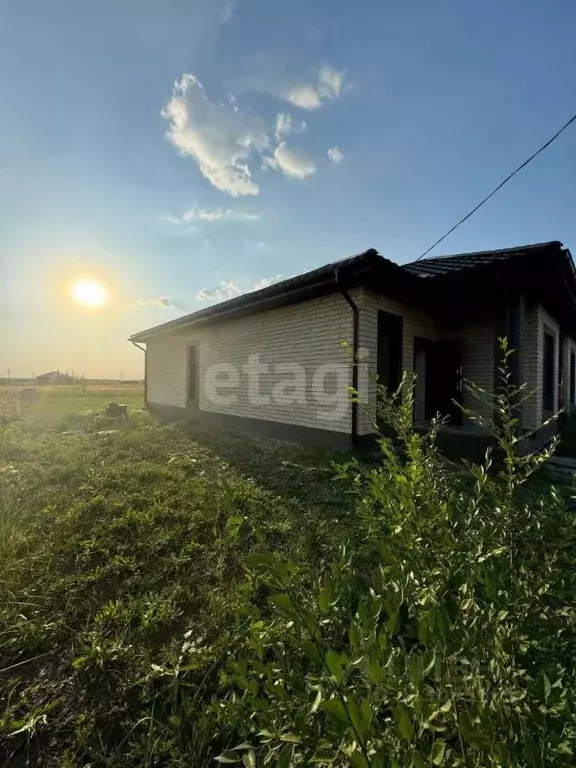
(498,188)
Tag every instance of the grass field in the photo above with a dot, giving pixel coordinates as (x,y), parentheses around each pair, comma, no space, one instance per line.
(51,403)
(118,570)
(171,597)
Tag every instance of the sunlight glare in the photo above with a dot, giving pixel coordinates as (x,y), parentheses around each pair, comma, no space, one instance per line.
(89,293)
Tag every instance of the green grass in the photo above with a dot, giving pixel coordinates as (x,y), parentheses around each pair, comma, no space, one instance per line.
(122,587)
(167,592)
(50,404)
(55,408)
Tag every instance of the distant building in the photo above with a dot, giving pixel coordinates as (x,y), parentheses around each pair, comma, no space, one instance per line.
(54,377)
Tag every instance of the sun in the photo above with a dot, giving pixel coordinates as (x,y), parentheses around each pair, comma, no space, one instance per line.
(89,293)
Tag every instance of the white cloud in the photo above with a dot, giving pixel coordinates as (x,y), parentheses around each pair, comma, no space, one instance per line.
(335,155)
(285,125)
(294,163)
(309,96)
(231,288)
(213,214)
(158,302)
(220,139)
(264,282)
(303,96)
(226,290)
(330,83)
(225,143)
(303,91)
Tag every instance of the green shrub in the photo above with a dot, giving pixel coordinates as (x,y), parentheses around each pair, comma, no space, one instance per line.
(444,636)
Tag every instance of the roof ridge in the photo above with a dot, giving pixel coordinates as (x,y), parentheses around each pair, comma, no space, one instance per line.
(487,252)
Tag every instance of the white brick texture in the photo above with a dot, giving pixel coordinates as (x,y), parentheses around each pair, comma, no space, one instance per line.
(478,346)
(308,334)
(568,346)
(416,323)
(537,322)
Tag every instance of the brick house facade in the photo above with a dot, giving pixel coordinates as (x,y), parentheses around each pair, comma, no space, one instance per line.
(271,362)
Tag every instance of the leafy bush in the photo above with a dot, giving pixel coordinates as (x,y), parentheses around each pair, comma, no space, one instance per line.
(444,636)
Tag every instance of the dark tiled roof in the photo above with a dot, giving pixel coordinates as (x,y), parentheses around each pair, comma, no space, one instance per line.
(370,265)
(291,285)
(436,266)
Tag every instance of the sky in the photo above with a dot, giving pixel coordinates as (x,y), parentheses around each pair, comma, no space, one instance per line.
(179,152)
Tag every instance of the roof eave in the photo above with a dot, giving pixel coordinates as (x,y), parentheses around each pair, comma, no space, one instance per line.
(252,307)
(365,269)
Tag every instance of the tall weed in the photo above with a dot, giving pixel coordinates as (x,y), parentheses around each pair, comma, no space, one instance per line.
(442,635)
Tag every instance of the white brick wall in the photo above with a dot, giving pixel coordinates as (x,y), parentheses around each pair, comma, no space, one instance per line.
(308,334)
(569,346)
(416,323)
(537,321)
(532,408)
(478,345)
(367,304)
(524,354)
(166,370)
(549,325)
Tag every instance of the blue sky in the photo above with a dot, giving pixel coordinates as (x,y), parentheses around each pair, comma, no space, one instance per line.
(142,146)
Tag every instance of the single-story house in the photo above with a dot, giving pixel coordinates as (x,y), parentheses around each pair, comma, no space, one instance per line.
(54,377)
(271,362)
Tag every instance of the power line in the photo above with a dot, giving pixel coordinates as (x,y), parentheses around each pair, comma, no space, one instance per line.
(499,187)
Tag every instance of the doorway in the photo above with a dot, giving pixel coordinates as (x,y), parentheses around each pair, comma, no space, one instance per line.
(438,387)
(444,380)
(422,405)
(389,354)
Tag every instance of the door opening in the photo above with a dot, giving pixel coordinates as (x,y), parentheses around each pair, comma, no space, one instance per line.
(389,359)
(421,405)
(444,390)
